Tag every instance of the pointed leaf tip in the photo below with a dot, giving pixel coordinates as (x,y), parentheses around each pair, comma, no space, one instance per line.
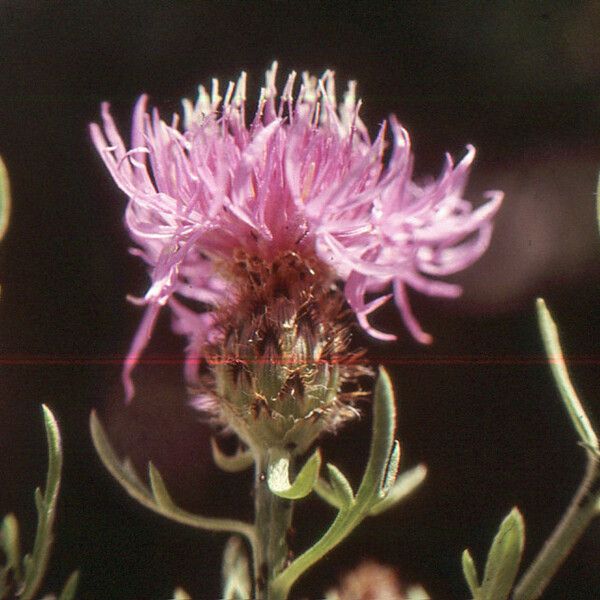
(278,475)
(504,558)
(470,573)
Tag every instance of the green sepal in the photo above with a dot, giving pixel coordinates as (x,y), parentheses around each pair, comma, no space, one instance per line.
(69,590)
(404,485)
(35,563)
(5,199)
(504,558)
(237,583)
(573,404)
(240,461)
(470,573)
(156,497)
(278,478)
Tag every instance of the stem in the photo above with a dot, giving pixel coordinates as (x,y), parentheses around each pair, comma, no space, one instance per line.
(273,519)
(571,527)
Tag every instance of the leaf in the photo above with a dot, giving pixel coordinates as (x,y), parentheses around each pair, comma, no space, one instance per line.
(568,394)
(9,536)
(278,475)
(237,584)
(391,469)
(340,487)
(240,461)
(181,594)
(36,563)
(470,573)
(368,495)
(417,592)
(504,558)
(157,498)
(404,485)
(5,199)
(70,588)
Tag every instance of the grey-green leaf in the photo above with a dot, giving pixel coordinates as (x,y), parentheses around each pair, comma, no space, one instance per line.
(278,475)
(70,588)
(504,558)
(159,489)
(568,394)
(9,537)
(470,573)
(340,486)
(404,485)
(35,564)
(237,583)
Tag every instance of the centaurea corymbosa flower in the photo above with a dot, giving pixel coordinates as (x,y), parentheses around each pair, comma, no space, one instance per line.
(219,207)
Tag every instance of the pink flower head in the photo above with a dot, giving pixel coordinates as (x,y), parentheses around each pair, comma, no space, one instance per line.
(303,176)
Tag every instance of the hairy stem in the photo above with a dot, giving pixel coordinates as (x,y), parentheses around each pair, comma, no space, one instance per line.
(273,519)
(571,527)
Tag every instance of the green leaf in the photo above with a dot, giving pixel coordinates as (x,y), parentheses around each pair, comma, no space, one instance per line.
(159,490)
(470,573)
(340,487)
(568,394)
(157,498)
(68,592)
(278,475)
(181,594)
(405,484)
(380,460)
(417,592)
(9,538)
(237,583)
(391,469)
(504,558)
(240,461)
(5,199)
(36,563)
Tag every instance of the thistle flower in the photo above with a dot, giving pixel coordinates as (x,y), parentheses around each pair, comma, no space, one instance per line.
(219,209)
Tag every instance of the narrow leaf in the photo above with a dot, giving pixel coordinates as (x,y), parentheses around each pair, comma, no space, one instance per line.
(9,537)
(181,594)
(417,592)
(568,394)
(159,490)
(504,558)
(278,475)
(405,484)
(470,573)
(340,486)
(5,199)
(240,461)
(157,499)
(391,471)
(70,589)
(35,564)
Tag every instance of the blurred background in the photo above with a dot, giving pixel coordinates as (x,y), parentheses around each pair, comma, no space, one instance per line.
(519,80)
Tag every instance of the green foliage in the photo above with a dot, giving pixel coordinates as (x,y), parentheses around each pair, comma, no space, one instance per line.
(240,461)
(502,562)
(278,477)
(25,580)
(156,497)
(378,480)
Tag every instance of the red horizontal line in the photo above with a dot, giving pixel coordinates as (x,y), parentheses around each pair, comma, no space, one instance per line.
(57,360)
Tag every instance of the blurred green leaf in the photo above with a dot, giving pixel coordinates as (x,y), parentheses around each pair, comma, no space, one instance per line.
(340,487)
(5,199)
(278,475)
(157,498)
(568,394)
(504,558)
(237,583)
(70,589)
(240,461)
(470,573)
(404,485)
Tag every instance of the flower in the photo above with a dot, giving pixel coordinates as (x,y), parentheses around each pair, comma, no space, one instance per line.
(302,179)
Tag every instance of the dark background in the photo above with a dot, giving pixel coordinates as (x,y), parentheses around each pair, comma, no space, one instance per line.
(520,80)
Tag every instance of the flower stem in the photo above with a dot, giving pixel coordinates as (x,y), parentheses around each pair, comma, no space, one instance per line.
(579,514)
(273,519)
